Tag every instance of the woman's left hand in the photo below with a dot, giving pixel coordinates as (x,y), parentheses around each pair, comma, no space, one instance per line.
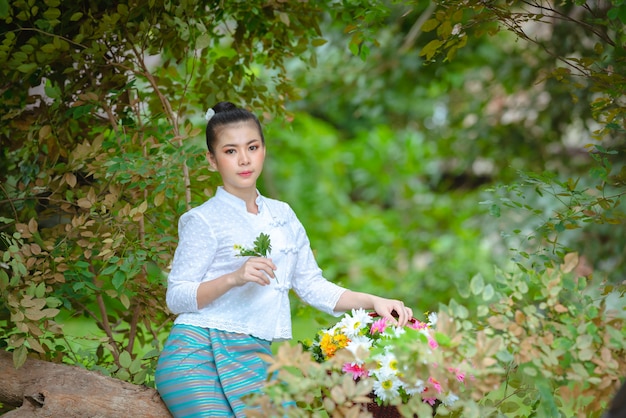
(386,307)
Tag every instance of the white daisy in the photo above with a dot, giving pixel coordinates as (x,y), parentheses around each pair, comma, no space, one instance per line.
(432,319)
(386,387)
(333,330)
(353,324)
(450,399)
(360,346)
(396,331)
(415,388)
(388,364)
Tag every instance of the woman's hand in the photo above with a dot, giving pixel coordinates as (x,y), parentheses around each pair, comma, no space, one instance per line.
(383,307)
(256,270)
(386,307)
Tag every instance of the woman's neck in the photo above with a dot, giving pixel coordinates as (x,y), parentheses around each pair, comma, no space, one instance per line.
(249,196)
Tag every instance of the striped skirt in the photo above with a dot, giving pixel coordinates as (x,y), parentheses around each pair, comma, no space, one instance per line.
(204,372)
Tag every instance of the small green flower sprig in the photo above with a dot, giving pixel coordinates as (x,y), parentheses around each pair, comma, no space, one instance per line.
(262,246)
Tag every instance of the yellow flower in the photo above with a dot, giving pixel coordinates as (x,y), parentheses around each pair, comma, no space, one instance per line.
(330,343)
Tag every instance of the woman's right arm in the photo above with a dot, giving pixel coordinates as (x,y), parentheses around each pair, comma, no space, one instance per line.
(193,257)
(255,270)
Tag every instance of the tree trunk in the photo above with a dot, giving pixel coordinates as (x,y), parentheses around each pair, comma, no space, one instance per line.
(45,389)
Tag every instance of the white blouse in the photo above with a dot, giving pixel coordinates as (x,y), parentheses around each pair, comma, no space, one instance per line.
(207,237)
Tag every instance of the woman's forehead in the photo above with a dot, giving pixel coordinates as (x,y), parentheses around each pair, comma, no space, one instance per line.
(240,131)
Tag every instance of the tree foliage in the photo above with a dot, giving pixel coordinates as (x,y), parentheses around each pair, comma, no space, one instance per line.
(589,62)
(522,98)
(98,156)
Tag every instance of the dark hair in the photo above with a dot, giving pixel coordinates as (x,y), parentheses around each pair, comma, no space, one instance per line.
(227,113)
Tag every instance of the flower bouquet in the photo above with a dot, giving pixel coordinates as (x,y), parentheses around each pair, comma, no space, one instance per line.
(377,345)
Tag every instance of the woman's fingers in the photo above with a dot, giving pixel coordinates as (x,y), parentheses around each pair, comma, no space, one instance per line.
(259,270)
(404,315)
(401,311)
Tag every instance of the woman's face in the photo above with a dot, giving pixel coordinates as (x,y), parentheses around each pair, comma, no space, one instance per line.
(239,157)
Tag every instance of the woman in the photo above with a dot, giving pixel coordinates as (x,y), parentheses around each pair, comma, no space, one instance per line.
(231,307)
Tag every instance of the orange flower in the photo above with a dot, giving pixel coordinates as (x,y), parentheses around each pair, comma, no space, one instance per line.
(330,343)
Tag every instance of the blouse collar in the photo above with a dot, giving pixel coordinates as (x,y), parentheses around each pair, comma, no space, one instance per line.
(224,195)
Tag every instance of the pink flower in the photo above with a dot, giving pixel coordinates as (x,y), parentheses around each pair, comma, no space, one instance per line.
(418,325)
(356,370)
(431,401)
(460,376)
(435,384)
(379,326)
(432,343)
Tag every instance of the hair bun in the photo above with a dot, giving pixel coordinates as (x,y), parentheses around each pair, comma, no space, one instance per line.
(224,107)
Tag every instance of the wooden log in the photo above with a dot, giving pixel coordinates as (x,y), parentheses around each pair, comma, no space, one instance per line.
(46,389)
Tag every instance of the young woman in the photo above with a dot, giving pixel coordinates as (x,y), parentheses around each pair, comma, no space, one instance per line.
(230,307)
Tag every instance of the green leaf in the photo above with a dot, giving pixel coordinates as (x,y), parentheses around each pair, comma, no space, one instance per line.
(52,92)
(494,210)
(547,406)
(262,247)
(122,374)
(27,68)
(125,300)
(19,356)
(118,279)
(262,244)
(135,366)
(482,310)
(140,377)
(530,371)
(203,41)
(618,12)
(488,292)
(37,291)
(110,269)
(125,359)
(431,49)
(442,339)
(477,284)
(151,354)
(52,14)
(4,9)
(459,311)
(318,42)
(429,25)
(463,290)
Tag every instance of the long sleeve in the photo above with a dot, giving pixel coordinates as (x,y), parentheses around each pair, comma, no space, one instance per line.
(192,260)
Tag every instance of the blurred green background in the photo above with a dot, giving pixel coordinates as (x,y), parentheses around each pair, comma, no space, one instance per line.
(422,144)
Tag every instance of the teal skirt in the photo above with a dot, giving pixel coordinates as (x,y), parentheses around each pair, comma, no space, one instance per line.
(204,372)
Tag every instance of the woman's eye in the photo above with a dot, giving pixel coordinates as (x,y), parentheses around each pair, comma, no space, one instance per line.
(254,147)
(230,151)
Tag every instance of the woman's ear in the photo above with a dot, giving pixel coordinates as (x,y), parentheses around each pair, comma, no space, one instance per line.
(212,162)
